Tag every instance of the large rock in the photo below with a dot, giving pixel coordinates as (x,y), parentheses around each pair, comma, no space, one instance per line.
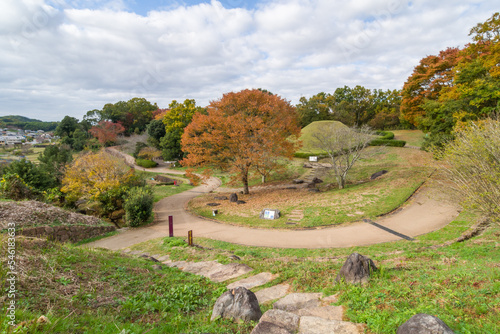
(233,198)
(277,322)
(264,327)
(356,269)
(269,214)
(237,304)
(378,174)
(163,179)
(424,324)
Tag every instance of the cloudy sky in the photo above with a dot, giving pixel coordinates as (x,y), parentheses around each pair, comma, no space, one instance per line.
(64,57)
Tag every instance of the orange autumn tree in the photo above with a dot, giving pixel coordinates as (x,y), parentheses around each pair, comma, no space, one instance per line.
(241,133)
(426,82)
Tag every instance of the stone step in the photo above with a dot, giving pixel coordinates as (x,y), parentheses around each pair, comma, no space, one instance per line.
(228,271)
(315,325)
(162,258)
(296,301)
(272,293)
(253,281)
(325,312)
(204,268)
(212,270)
(306,313)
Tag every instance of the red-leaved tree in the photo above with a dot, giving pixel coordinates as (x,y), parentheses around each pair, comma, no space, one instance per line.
(106,132)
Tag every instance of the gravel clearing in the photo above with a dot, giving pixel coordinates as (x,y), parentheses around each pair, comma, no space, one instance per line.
(33,213)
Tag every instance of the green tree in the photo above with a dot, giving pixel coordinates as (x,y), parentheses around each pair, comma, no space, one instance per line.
(53,160)
(134,115)
(316,108)
(352,106)
(141,111)
(33,175)
(386,107)
(156,131)
(175,121)
(72,133)
(67,127)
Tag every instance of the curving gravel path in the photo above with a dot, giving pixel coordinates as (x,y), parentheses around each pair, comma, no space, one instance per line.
(423,213)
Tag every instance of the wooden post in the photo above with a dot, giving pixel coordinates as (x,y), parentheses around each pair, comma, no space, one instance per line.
(170,226)
(190,238)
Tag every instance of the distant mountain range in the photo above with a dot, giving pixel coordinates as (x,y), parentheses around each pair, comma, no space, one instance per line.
(25,123)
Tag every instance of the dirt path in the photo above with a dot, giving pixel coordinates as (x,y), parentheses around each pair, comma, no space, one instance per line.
(422,214)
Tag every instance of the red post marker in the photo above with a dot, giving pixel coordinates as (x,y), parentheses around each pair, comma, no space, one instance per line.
(170,226)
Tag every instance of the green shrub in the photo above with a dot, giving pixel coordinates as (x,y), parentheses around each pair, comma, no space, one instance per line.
(138,205)
(385,134)
(146,163)
(112,200)
(388,142)
(13,187)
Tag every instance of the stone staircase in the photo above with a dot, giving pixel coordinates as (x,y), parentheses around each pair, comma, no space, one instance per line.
(300,313)
(295,217)
(316,171)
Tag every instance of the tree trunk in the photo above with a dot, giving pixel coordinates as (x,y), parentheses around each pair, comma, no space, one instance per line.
(263,179)
(244,178)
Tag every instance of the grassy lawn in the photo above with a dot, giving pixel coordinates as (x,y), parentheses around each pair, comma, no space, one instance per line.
(99,291)
(460,283)
(362,198)
(162,191)
(412,137)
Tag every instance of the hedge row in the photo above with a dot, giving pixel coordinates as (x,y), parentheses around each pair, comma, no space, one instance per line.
(385,134)
(146,163)
(388,142)
(306,155)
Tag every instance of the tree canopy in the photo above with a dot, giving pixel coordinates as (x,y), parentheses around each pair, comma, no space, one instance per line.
(175,121)
(134,115)
(352,106)
(456,86)
(240,132)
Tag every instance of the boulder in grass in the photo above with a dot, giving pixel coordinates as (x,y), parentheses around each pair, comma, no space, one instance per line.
(233,198)
(238,304)
(356,269)
(424,324)
(161,179)
(378,174)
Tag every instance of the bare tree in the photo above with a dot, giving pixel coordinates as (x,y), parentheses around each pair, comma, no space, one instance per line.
(343,145)
(472,162)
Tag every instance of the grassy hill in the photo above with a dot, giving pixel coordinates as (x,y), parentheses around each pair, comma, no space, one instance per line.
(306,136)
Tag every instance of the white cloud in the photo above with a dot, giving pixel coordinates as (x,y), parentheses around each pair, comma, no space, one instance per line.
(57,60)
